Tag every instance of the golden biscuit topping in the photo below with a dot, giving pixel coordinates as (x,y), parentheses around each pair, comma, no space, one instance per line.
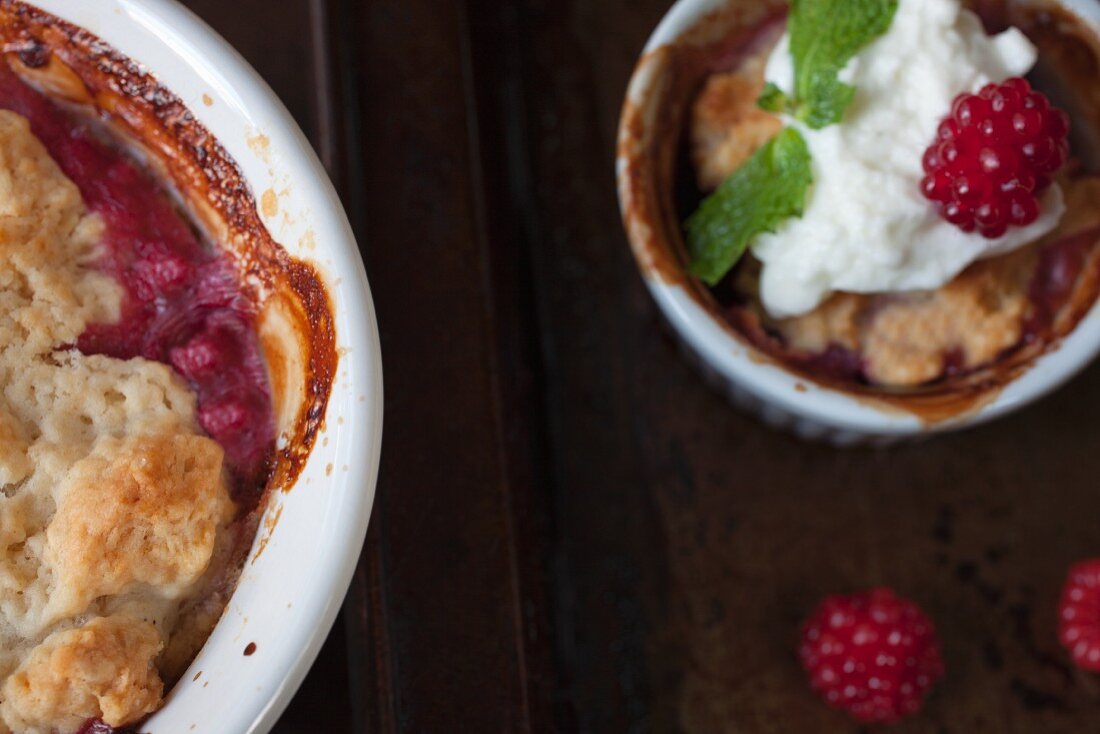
(144,510)
(727,124)
(101,670)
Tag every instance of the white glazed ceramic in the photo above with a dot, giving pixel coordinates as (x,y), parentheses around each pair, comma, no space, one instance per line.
(289,594)
(779,397)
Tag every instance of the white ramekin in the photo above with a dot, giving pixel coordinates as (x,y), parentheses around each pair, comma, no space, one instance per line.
(753,380)
(288,595)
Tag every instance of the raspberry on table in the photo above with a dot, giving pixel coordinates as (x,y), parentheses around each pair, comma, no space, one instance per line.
(1079,614)
(872,654)
(993,156)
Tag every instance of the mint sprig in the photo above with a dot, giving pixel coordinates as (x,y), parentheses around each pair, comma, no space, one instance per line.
(825,35)
(770,187)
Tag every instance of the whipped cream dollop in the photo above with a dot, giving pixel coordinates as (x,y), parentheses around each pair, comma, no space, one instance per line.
(866,227)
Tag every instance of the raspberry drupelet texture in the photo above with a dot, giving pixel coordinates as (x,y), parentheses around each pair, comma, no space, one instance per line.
(873,654)
(993,156)
(1079,614)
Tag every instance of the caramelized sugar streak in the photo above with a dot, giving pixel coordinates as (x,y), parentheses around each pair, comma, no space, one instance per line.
(183,303)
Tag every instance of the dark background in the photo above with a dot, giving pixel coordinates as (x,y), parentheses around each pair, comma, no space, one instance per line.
(571,531)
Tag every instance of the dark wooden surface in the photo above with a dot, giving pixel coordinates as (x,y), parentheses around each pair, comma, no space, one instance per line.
(572,533)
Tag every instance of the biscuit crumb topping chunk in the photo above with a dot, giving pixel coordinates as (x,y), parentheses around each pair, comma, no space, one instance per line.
(140,511)
(101,670)
(727,124)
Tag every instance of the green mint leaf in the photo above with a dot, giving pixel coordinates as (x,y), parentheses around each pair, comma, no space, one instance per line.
(773,99)
(768,189)
(825,35)
(832,98)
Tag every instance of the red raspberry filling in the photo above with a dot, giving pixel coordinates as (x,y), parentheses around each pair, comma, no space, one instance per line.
(1079,614)
(993,156)
(184,304)
(873,654)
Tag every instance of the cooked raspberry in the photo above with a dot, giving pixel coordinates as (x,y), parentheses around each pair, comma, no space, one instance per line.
(198,357)
(873,654)
(993,156)
(163,272)
(1079,614)
(227,415)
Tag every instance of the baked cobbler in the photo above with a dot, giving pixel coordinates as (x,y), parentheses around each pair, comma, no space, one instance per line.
(897,337)
(143,380)
(888,198)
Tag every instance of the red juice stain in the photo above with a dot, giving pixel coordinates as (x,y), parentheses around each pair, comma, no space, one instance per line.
(183,303)
(836,362)
(954,362)
(96,726)
(1060,265)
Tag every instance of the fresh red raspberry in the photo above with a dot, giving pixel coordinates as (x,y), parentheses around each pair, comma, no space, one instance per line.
(993,157)
(873,654)
(1079,614)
